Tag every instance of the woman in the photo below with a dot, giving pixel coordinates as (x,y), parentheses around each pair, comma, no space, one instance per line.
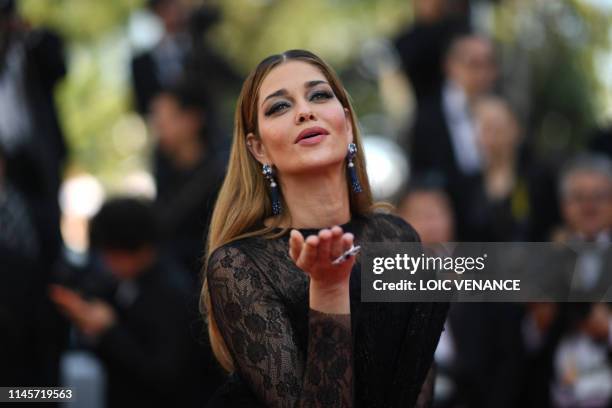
(285,320)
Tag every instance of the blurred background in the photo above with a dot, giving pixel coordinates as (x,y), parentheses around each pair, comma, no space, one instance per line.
(483,121)
(554,67)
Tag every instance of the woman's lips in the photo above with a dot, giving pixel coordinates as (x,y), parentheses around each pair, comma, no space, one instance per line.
(311,135)
(311,140)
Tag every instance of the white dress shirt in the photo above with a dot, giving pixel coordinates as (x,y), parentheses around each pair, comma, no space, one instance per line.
(461,127)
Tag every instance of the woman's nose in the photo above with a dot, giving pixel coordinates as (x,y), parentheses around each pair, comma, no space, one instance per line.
(304,116)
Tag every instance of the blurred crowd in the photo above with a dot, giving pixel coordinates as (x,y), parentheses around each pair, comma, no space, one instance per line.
(133,301)
(475,179)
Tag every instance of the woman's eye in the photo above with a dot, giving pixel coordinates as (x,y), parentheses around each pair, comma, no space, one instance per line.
(321,95)
(277,107)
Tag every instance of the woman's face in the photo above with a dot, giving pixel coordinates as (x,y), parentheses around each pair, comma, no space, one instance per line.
(497,130)
(303,127)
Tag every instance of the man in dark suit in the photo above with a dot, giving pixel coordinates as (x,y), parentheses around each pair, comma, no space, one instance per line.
(163,65)
(422,46)
(586,201)
(443,138)
(555,334)
(181,54)
(144,333)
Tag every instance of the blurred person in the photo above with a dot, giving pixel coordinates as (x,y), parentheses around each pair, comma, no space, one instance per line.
(32,62)
(568,355)
(19,274)
(33,334)
(207,66)
(188,171)
(142,335)
(568,345)
(443,135)
(585,188)
(516,199)
(427,207)
(181,52)
(586,198)
(421,47)
(443,138)
(163,65)
(284,320)
(18,233)
(477,362)
(541,327)
(499,136)
(585,192)
(582,362)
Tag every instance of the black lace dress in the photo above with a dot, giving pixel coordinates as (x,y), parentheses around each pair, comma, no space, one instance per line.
(287,355)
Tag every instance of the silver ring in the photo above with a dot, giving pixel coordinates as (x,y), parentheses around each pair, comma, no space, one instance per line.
(353,250)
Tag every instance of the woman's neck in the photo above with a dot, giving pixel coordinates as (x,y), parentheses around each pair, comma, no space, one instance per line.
(317,201)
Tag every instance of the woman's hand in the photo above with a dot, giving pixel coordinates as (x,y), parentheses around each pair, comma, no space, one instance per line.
(329,284)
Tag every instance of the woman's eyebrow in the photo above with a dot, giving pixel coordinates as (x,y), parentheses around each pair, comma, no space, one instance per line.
(283,91)
(310,84)
(280,92)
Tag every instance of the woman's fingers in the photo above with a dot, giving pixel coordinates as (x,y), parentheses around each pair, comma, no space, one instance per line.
(323,255)
(308,256)
(296,244)
(347,241)
(336,242)
(315,254)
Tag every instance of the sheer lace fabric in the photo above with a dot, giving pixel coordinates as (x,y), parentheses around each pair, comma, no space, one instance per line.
(292,356)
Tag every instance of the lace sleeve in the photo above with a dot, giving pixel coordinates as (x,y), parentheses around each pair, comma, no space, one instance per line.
(258,331)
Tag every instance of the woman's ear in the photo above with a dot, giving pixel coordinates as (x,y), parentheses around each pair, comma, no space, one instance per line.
(349,124)
(257,149)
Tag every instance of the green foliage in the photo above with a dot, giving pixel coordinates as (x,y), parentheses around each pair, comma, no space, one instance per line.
(560,42)
(79,20)
(334,29)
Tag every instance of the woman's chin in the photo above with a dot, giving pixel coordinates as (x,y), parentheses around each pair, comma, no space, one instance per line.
(315,164)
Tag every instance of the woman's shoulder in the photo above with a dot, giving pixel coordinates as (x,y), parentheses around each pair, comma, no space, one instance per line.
(244,252)
(243,244)
(392,226)
(256,265)
(230,255)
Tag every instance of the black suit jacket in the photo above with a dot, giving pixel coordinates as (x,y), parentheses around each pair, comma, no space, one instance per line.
(431,151)
(430,142)
(421,50)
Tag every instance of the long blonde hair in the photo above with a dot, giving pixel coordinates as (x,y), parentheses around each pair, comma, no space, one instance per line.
(243,200)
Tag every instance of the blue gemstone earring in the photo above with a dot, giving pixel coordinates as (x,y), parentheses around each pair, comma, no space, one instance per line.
(276,205)
(352,151)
